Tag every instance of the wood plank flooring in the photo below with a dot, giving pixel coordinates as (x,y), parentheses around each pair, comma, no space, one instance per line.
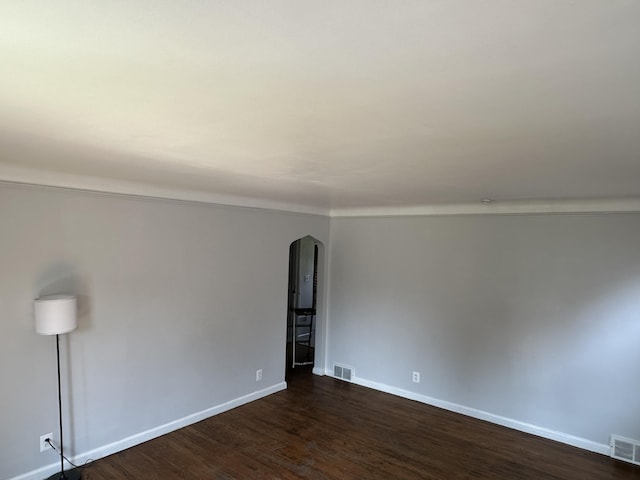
(322,428)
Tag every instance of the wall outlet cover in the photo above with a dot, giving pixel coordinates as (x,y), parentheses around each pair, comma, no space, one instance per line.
(43,444)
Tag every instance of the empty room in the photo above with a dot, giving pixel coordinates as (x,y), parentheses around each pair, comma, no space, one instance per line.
(325,240)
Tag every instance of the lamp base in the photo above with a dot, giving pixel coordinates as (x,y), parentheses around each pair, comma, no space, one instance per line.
(73,474)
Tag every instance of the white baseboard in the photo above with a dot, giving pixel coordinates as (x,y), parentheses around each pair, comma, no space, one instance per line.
(561,437)
(133,440)
(147,435)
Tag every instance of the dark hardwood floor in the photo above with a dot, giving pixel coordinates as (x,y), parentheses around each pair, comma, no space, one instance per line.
(322,428)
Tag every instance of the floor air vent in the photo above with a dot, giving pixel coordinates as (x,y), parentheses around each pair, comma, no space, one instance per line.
(342,372)
(625,449)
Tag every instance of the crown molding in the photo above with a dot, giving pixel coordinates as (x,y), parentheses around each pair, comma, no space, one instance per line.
(15,174)
(46,178)
(585,206)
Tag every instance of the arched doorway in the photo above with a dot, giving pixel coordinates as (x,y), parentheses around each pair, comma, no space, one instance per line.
(303,327)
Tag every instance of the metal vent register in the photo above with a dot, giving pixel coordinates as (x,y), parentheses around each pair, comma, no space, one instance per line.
(625,449)
(342,372)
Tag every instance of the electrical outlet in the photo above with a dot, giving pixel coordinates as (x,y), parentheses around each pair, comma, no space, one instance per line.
(43,441)
(416,377)
(258,375)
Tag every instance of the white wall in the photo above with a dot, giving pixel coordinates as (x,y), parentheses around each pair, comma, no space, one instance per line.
(533,318)
(180,304)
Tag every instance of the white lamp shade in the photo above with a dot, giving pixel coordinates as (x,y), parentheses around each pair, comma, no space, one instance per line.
(56,314)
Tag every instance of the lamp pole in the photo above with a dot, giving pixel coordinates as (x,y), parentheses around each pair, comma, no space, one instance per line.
(62,475)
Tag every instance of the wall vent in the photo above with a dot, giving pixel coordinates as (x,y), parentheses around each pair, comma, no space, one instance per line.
(625,449)
(342,372)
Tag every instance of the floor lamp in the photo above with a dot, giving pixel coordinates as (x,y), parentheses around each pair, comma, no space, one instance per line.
(57,315)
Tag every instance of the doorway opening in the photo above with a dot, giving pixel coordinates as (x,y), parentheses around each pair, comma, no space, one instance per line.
(302,306)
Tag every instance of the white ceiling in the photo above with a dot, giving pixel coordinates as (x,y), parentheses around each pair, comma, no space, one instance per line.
(329,105)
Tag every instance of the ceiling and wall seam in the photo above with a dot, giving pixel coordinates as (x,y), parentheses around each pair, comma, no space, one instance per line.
(556,207)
